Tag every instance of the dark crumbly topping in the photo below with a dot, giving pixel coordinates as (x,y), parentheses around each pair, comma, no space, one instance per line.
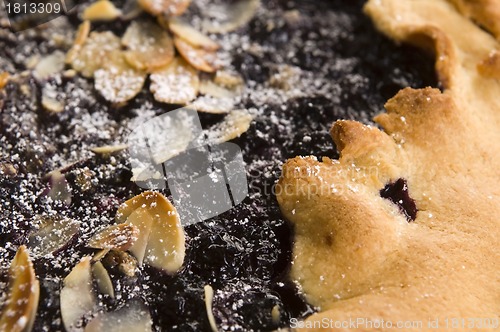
(305,63)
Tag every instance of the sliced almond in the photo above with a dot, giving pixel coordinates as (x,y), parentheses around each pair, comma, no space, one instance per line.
(184,30)
(80,38)
(100,255)
(19,310)
(4,79)
(165,7)
(59,188)
(133,317)
(49,65)
(230,16)
(77,298)
(51,104)
(52,235)
(209,104)
(131,10)
(97,50)
(209,296)
(142,220)
(118,82)
(117,237)
(149,46)
(108,149)
(209,87)
(102,10)
(228,79)
(161,242)
(197,57)
(178,83)
(103,279)
(234,124)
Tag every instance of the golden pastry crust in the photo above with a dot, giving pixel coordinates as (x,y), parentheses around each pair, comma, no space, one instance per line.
(355,254)
(485,12)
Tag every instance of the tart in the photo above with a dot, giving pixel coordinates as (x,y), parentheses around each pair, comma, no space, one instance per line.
(401,228)
(98,252)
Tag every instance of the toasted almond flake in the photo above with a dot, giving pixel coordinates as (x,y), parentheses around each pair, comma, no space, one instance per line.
(149,46)
(101,10)
(228,79)
(100,255)
(209,296)
(197,57)
(209,104)
(99,49)
(275,314)
(133,317)
(118,82)
(49,65)
(131,10)
(103,279)
(80,38)
(59,188)
(7,169)
(234,124)
(177,83)
(117,237)
(209,87)
(143,221)
(4,79)
(230,16)
(183,30)
(108,149)
(77,298)
(19,310)
(51,104)
(165,7)
(52,234)
(161,242)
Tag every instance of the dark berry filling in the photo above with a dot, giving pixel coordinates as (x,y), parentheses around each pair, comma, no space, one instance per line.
(397,192)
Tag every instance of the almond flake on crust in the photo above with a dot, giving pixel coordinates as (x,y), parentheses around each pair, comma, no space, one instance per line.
(184,30)
(95,52)
(80,37)
(233,125)
(165,7)
(101,276)
(19,310)
(133,317)
(149,47)
(230,16)
(77,298)
(108,149)
(117,237)
(228,79)
(197,57)
(118,82)
(52,234)
(211,88)
(214,105)
(177,83)
(101,10)
(161,240)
